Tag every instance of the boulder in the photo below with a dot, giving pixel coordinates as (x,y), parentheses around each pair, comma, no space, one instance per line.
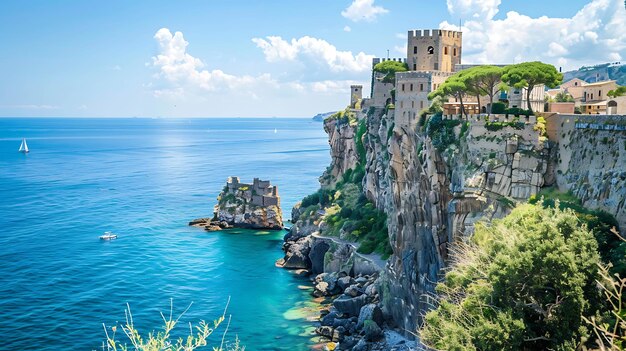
(344,282)
(350,305)
(316,255)
(371,331)
(370,312)
(328,332)
(297,254)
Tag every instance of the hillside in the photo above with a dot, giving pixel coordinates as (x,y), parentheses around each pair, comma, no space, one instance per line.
(601,72)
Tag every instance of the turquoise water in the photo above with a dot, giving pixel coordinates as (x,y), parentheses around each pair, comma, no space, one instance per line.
(145,179)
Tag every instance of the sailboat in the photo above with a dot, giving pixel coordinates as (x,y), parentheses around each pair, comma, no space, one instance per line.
(23,146)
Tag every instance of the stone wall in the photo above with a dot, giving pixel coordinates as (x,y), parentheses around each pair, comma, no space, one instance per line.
(591,160)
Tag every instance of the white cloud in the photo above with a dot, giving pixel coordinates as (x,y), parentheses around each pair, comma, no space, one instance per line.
(347,29)
(593,35)
(363,10)
(332,86)
(317,50)
(182,72)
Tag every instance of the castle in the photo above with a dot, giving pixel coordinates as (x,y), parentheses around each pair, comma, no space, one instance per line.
(432,56)
(262,193)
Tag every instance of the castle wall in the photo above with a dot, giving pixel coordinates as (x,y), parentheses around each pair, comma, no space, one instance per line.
(592,160)
(412,89)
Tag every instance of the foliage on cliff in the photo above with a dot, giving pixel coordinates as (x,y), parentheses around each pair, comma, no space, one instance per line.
(523,282)
(389,69)
(612,249)
(348,212)
(344,116)
(441,131)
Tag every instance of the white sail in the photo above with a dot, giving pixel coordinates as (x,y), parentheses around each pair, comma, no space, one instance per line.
(24,146)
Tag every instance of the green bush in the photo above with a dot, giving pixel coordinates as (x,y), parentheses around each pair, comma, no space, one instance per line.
(612,249)
(522,283)
(495,126)
(498,107)
(441,131)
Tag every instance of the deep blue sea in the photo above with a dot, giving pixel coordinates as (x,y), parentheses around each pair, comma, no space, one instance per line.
(144,179)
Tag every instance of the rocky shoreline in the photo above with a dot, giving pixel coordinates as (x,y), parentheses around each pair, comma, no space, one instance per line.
(354,319)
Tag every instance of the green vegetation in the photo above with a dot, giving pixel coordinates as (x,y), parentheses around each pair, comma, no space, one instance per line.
(612,250)
(483,80)
(456,86)
(611,332)
(620,91)
(163,340)
(563,97)
(530,74)
(345,116)
(347,209)
(441,131)
(498,107)
(495,126)
(522,283)
(389,69)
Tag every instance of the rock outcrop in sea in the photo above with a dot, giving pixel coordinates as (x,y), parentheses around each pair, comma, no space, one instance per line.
(241,205)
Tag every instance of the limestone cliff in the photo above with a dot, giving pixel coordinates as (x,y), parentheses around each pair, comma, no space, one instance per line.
(241,205)
(435,178)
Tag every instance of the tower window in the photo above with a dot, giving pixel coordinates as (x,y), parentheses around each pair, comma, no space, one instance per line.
(415,49)
(445,50)
(421,87)
(454,51)
(415,67)
(431,50)
(411,86)
(402,87)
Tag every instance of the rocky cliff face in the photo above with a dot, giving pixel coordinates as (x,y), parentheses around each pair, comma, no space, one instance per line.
(434,182)
(343,155)
(592,163)
(255,205)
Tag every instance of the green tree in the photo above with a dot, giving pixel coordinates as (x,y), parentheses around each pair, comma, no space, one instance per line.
(484,80)
(620,91)
(563,97)
(530,74)
(522,283)
(389,69)
(456,86)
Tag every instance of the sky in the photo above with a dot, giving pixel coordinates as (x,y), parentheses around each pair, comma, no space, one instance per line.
(282,58)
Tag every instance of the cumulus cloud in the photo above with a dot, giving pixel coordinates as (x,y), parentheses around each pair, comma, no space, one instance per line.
(593,35)
(182,71)
(363,10)
(319,51)
(347,29)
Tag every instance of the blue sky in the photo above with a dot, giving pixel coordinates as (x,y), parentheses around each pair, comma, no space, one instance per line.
(270,58)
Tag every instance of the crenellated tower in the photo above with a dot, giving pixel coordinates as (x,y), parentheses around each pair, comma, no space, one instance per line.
(434,50)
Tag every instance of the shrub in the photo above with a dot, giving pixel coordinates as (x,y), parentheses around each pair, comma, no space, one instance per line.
(441,131)
(522,283)
(498,107)
(163,341)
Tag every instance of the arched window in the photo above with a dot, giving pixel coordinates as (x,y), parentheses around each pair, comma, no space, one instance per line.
(431,50)
(445,50)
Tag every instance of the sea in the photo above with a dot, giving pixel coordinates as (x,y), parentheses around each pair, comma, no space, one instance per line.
(144,180)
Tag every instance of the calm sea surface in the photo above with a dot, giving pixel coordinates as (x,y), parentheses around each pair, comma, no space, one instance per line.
(144,179)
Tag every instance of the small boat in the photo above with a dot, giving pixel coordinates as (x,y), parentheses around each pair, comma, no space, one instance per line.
(275,130)
(108,236)
(24,146)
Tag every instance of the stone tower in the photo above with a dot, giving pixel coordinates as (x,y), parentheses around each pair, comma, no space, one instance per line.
(356,94)
(434,50)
